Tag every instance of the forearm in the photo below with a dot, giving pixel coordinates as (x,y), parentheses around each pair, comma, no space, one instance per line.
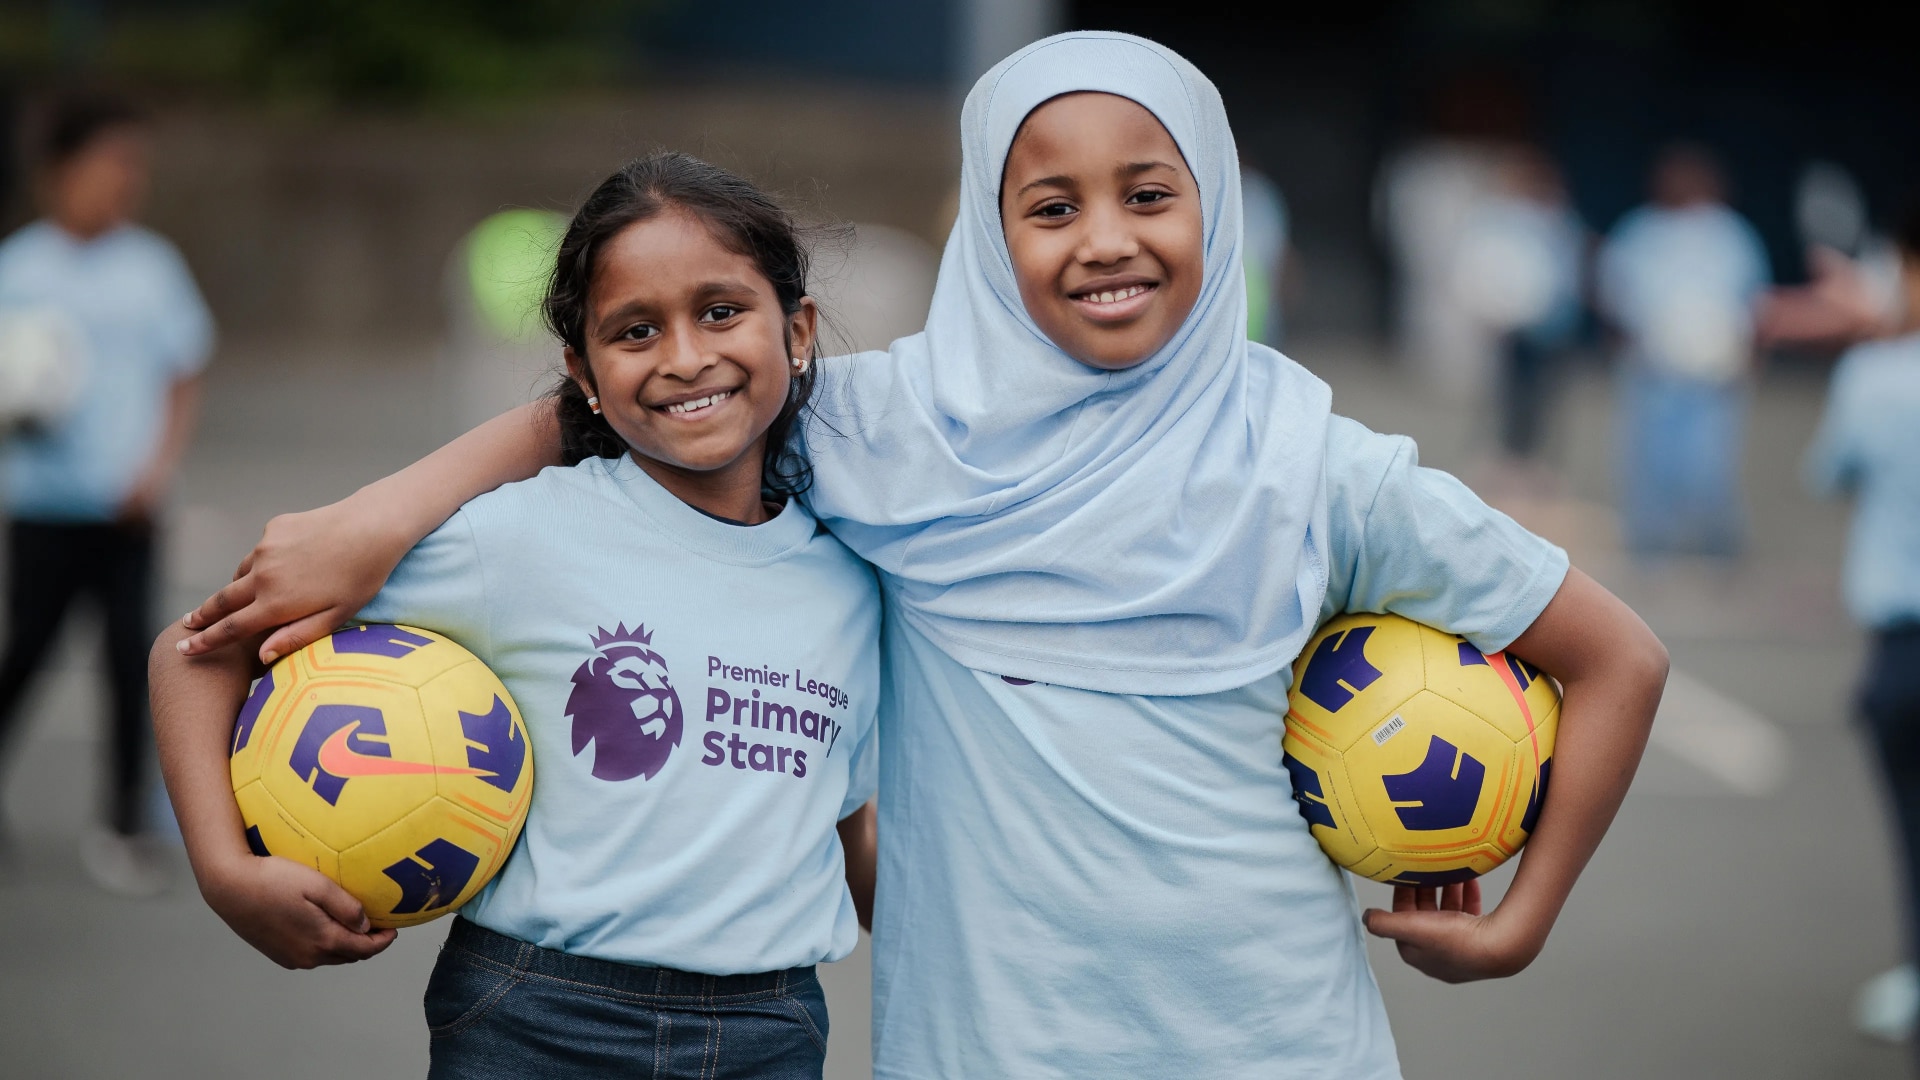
(512,446)
(195,700)
(1612,671)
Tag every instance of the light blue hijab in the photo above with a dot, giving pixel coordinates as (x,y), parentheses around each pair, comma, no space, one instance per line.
(1158,530)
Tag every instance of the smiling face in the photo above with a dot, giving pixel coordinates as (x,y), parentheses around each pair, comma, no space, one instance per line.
(688,351)
(1102,220)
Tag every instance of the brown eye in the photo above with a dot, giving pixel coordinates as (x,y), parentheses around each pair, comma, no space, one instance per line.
(720,313)
(1054,210)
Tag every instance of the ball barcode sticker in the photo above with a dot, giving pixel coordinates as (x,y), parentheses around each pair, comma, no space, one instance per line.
(1388,730)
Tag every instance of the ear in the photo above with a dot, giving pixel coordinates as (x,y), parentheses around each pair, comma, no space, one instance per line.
(803,328)
(579,371)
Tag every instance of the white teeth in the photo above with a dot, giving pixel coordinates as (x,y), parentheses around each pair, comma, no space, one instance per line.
(684,407)
(1113,296)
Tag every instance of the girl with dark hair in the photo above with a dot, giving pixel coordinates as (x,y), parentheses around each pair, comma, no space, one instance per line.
(1107,523)
(695,657)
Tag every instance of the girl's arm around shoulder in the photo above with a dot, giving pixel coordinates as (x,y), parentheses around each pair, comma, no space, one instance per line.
(312,571)
(294,914)
(1611,669)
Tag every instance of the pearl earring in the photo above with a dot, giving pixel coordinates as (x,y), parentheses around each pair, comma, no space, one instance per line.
(801,364)
(594,404)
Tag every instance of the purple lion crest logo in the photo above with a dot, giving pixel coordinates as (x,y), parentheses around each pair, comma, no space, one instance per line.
(623,699)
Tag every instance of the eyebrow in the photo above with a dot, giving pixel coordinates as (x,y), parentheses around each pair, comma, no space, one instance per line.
(705,292)
(1046,181)
(1130,169)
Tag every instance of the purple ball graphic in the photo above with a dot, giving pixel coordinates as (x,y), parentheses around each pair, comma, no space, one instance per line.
(623,700)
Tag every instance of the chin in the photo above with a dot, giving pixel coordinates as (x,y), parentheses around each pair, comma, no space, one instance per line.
(1112,356)
(1112,363)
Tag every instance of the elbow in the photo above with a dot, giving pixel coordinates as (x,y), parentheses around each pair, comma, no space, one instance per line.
(1651,665)
(165,653)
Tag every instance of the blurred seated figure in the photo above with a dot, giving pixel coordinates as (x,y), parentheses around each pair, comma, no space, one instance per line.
(498,352)
(1516,272)
(1267,254)
(107,313)
(1679,279)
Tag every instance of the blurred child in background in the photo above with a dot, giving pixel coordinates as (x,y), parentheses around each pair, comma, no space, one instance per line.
(1517,272)
(1868,447)
(83,489)
(1680,279)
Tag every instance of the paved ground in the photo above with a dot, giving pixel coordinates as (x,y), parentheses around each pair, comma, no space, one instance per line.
(1742,897)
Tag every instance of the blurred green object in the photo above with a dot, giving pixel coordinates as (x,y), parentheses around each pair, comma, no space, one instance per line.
(1259,300)
(509,262)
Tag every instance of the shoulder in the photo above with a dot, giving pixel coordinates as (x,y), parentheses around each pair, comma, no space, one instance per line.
(556,495)
(1632,224)
(137,243)
(839,560)
(1359,459)
(1878,363)
(29,243)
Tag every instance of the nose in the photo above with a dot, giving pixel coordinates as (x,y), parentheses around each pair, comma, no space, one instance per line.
(1107,237)
(685,354)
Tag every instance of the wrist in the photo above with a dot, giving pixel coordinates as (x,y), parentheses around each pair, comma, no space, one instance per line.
(1519,932)
(396,519)
(220,872)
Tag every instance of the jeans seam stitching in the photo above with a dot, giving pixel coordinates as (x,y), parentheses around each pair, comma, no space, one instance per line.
(479,1009)
(801,1014)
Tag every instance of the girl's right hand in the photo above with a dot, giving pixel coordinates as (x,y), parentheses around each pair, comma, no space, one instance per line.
(297,916)
(307,576)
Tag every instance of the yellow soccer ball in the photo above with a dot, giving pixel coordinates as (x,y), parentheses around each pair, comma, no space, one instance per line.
(1415,759)
(389,759)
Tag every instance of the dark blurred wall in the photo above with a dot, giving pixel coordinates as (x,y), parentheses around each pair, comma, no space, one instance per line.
(1319,93)
(839,39)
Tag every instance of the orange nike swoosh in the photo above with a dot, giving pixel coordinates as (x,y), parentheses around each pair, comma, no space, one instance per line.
(336,758)
(1498,662)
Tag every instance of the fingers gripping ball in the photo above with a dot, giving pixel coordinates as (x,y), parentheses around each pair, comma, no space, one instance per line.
(392,761)
(1416,759)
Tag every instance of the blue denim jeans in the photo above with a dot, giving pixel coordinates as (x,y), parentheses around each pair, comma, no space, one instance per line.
(1681,443)
(497,1007)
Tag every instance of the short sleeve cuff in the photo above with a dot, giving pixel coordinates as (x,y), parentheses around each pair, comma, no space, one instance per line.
(1541,587)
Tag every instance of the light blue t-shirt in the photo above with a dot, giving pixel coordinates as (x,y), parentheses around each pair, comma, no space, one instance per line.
(1869,446)
(1681,285)
(143,326)
(1086,885)
(700,698)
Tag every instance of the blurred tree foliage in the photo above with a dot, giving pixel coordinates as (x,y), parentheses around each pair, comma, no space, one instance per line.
(348,51)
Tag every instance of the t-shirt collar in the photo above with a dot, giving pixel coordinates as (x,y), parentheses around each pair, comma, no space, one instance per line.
(787,532)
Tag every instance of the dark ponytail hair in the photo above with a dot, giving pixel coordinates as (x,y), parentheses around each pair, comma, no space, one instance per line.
(743,218)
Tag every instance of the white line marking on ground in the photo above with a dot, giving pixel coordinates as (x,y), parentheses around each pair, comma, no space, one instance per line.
(1720,736)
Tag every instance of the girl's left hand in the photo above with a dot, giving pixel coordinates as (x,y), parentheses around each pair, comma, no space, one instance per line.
(1441,933)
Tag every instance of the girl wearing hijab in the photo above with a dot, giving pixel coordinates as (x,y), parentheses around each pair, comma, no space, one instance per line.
(1105,524)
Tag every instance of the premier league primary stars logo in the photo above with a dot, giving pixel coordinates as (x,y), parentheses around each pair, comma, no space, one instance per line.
(623,702)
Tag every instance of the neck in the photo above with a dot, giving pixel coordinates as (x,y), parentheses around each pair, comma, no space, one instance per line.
(82,230)
(732,491)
